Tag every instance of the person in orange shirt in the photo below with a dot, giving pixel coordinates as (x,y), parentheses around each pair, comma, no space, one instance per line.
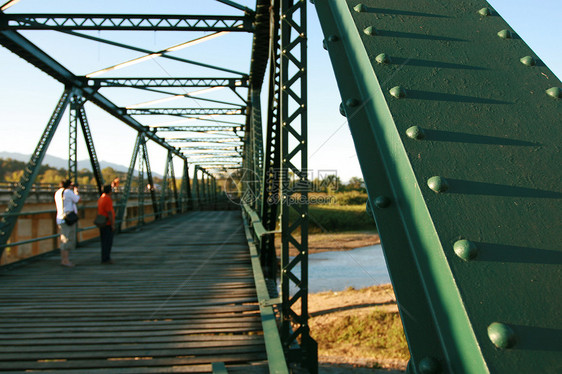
(105,208)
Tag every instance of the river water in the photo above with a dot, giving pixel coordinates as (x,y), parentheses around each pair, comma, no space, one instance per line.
(357,268)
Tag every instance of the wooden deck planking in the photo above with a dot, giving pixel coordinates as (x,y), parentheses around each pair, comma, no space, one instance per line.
(179,297)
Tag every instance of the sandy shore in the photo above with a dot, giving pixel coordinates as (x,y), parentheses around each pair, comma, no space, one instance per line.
(345,241)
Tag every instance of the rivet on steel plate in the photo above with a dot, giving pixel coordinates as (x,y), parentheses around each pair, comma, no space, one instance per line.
(505,34)
(398,92)
(342,110)
(429,365)
(528,61)
(438,184)
(382,202)
(383,58)
(370,30)
(485,12)
(465,249)
(352,102)
(555,92)
(360,8)
(415,132)
(501,335)
(333,38)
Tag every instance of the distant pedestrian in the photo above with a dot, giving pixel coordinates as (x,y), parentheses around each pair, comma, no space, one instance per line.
(105,208)
(66,199)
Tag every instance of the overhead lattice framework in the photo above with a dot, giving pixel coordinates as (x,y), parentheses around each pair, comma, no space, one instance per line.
(200,107)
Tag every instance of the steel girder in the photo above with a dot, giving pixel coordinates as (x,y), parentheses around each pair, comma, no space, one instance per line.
(185,111)
(75,103)
(90,146)
(149,22)
(29,52)
(456,126)
(232,129)
(168,82)
(272,155)
(129,182)
(30,172)
(294,158)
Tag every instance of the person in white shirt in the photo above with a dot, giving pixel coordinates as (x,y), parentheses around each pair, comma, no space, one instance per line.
(66,199)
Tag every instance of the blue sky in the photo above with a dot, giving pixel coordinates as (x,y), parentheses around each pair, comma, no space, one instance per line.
(28,96)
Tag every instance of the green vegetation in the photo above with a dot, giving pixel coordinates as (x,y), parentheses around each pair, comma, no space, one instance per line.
(337,218)
(377,335)
(12,171)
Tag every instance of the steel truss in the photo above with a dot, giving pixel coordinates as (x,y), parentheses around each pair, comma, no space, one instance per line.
(186,111)
(168,82)
(279,30)
(294,158)
(149,22)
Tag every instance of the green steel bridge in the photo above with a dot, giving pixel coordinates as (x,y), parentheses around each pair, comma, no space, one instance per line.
(457,126)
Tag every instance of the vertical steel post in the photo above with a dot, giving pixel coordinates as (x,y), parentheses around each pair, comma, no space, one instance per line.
(163,196)
(257,149)
(272,152)
(196,188)
(177,202)
(141,187)
(152,189)
(32,169)
(186,187)
(293,110)
(75,103)
(90,145)
(126,192)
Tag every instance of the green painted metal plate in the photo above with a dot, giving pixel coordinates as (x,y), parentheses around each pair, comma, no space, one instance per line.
(484,237)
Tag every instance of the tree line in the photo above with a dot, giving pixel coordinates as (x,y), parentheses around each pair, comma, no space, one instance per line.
(12,171)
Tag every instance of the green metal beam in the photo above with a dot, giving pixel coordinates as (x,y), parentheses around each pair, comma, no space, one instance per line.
(129,182)
(185,111)
(293,108)
(30,172)
(168,82)
(148,22)
(455,122)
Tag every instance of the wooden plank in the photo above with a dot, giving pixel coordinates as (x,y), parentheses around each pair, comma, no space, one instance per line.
(130,362)
(174,301)
(67,348)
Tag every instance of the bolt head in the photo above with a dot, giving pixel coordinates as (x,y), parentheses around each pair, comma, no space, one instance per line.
(324,45)
(370,30)
(382,202)
(505,34)
(465,249)
(383,58)
(429,365)
(360,8)
(352,102)
(555,92)
(485,12)
(501,335)
(342,110)
(333,38)
(528,61)
(415,132)
(438,184)
(398,92)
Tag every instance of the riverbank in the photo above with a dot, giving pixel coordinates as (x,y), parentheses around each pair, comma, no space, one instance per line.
(328,242)
(358,331)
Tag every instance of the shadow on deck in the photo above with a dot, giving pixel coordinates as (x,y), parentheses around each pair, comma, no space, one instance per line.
(179,297)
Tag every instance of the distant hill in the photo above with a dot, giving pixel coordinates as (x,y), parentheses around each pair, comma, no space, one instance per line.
(58,162)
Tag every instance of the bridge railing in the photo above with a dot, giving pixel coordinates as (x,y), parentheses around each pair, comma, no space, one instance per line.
(36,231)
